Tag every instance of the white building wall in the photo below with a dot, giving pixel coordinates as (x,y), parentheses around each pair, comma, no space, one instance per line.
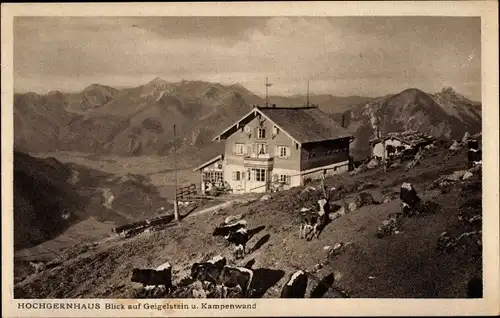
(294,176)
(333,169)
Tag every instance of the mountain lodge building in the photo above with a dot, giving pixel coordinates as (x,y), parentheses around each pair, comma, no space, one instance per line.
(396,142)
(274,148)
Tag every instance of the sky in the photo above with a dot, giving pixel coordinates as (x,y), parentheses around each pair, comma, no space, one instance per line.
(366,56)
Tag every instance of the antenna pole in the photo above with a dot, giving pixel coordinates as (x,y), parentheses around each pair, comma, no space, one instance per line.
(176,205)
(307,101)
(267,85)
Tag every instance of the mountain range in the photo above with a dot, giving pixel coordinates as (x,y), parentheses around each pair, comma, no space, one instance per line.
(140,120)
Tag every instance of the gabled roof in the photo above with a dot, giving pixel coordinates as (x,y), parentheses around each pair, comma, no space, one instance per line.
(410,137)
(209,162)
(302,124)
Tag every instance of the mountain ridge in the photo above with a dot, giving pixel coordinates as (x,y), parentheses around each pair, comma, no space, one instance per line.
(139,120)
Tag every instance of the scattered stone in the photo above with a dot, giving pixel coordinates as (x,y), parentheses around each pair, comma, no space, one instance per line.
(387,199)
(455,146)
(352,206)
(467,175)
(265,197)
(456,176)
(327,247)
(373,163)
(412,164)
(233,218)
(371,277)
(466,137)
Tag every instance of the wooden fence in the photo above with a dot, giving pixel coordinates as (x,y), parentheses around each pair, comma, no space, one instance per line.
(184,193)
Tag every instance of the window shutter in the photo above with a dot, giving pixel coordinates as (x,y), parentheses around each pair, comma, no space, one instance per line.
(249,174)
(254,149)
(288,153)
(277,151)
(288,180)
(266,149)
(275,177)
(234,175)
(256,132)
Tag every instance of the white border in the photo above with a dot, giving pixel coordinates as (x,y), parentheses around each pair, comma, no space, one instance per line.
(488,10)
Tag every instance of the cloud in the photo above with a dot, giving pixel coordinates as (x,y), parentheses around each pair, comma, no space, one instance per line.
(340,55)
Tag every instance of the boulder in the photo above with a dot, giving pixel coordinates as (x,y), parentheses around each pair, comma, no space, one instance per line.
(265,197)
(455,176)
(373,163)
(412,164)
(467,175)
(353,206)
(455,146)
(466,137)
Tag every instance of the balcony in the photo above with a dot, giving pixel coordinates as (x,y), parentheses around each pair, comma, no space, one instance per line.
(261,161)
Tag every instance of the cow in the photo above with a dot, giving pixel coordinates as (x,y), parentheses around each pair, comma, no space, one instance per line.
(473,144)
(409,198)
(208,271)
(150,278)
(473,157)
(235,277)
(296,285)
(225,229)
(314,221)
(239,239)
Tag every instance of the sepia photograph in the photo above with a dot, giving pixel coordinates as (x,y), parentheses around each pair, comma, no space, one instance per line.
(268,156)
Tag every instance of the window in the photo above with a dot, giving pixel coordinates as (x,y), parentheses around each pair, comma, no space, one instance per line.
(284,179)
(261,149)
(261,133)
(259,174)
(237,176)
(284,152)
(239,149)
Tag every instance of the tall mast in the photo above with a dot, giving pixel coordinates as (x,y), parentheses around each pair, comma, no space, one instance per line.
(176,204)
(307,101)
(267,85)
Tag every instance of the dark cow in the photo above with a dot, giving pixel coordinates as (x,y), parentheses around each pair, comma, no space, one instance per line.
(239,239)
(235,277)
(473,157)
(473,144)
(296,286)
(409,198)
(313,222)
(151,278)
(475,288)
(208,271)
(224,230)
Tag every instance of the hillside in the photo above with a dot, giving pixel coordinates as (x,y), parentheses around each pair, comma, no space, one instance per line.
(446,114)
(50,197)
(406,264)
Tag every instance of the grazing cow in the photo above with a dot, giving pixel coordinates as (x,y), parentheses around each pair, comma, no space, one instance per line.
(150,278)
(314,221)
(473,157)
(239,239)
(296,286)
(409,198)
(208,271)
(235,277)
(225,229)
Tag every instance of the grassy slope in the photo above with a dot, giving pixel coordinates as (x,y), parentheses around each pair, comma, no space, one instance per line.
(402,265)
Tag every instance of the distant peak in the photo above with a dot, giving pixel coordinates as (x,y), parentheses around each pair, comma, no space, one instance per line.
(158,81)
(448,90)
(412,90)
